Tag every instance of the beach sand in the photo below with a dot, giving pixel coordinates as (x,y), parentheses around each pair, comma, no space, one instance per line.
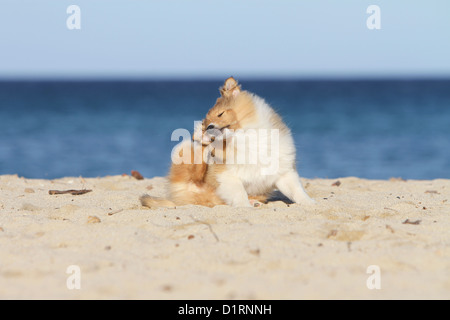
(277,251)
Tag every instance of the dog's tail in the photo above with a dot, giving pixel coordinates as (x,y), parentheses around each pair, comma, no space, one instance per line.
(154,202)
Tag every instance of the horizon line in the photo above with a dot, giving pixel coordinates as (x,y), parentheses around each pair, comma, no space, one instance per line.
(265,78)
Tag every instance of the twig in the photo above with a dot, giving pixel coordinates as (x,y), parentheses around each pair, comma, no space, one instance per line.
(114,212)
(407,221)
(72,192)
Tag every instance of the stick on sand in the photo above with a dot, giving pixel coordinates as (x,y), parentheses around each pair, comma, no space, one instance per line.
(72,192)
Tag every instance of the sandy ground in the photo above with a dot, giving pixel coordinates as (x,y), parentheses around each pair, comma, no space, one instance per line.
(125,251)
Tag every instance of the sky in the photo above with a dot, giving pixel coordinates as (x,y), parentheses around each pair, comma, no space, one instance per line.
(213,39)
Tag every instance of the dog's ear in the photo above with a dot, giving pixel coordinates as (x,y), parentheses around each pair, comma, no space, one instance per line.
(230,88)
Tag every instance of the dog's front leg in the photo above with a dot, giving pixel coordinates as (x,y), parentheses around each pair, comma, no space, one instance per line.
(232,191)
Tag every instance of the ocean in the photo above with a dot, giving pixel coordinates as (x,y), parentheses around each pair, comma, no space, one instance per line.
(370,129)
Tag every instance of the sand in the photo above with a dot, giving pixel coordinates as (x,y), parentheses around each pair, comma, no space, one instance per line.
(277,251)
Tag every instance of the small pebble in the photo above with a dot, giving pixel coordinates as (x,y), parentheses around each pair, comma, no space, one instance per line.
(136,175)
(336,184)
(167,288)
(93,219)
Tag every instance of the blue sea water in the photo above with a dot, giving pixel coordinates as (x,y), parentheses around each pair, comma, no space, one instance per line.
(370,129)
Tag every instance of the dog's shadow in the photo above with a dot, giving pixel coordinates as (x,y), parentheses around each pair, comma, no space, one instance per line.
(278,196)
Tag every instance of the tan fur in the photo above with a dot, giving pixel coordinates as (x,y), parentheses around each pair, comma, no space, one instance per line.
(231,112)
(187,185)
(153,202)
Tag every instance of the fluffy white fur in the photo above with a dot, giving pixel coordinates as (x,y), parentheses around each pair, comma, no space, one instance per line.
(239,181)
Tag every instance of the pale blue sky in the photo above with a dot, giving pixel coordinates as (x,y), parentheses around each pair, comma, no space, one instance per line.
(206,38)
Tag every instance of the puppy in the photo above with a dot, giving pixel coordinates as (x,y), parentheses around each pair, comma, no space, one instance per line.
(220,178)
(269,163)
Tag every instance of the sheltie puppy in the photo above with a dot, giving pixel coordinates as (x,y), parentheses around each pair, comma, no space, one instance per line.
(242,165)
(255,133)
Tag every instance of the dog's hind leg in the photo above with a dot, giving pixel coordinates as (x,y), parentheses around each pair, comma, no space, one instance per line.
(290,185)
